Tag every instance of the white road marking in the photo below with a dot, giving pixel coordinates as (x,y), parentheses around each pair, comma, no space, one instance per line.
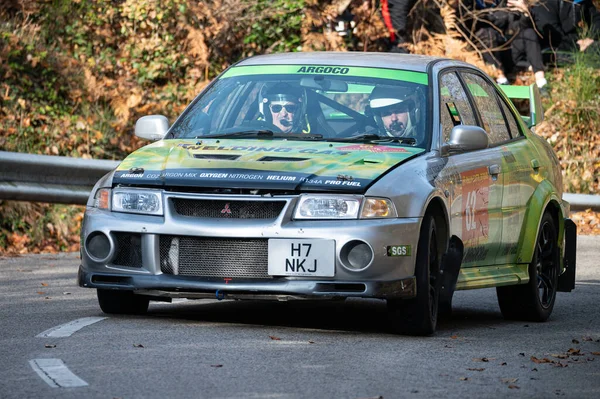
(67,329)
(56,374)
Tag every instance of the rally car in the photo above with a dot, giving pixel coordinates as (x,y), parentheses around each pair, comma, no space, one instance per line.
(337,175)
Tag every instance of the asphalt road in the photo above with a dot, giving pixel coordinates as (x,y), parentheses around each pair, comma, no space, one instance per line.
(210,349)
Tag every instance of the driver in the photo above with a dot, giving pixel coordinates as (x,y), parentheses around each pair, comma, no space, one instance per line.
(284,105)
(393,108)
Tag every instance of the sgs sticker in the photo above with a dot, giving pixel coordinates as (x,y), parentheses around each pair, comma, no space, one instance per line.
(398,250)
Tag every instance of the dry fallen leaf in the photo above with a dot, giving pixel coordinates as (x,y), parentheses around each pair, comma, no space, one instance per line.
(575,352)
(509,380)
(138,345)
(483,359)
(454,337)
(311,342)
(514,387)
(216,365)
(596,353)
(560,355)
(49,346)
(574,341)
(274,338)
(44,284)
(539,361)
(464,378)
(41,293)
(475,369)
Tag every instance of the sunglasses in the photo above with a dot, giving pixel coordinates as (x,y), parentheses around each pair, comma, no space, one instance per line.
(290,108)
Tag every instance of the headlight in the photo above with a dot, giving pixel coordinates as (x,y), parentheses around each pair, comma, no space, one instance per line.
(328,207)
(137,201)
(343,207)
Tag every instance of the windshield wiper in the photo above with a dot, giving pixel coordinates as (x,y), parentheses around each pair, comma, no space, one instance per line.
(245,133)
(269,134)
(371,137)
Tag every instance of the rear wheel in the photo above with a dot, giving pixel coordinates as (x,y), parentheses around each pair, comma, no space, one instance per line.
(418,316)
(534,301)
(122,302)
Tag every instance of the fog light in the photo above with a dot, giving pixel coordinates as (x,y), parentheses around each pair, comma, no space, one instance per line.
(356,255)
(98,245)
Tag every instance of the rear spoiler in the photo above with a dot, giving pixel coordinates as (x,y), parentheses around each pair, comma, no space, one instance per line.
(528,102)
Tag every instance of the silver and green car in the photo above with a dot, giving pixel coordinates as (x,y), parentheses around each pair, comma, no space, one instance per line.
(330,202)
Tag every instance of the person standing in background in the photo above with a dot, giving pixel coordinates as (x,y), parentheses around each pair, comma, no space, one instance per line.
(395,17)
(562,23)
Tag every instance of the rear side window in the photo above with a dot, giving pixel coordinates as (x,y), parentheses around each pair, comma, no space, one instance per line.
(512,123)
(488,105)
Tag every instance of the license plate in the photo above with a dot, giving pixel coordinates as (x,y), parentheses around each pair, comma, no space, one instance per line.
(291,257)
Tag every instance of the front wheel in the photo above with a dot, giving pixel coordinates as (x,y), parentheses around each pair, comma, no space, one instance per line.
(418,316)
(122,302)
(534,301)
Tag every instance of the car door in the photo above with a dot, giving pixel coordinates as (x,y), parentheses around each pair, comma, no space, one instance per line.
(493,115)
(473,179)
(521,171)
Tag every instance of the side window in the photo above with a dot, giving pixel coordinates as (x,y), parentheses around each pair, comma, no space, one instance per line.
(454,103)
(512,123)
(489,109)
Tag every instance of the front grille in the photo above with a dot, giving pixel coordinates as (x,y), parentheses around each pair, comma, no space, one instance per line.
(129,250)
(219,209)
(214,257)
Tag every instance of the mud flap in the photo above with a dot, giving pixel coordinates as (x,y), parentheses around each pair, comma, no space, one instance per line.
(566,281)
(451,262)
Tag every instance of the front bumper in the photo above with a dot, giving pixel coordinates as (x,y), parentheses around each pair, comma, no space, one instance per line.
(385,277)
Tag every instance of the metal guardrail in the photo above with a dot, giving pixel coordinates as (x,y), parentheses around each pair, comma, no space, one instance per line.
(47,178)
(66,180)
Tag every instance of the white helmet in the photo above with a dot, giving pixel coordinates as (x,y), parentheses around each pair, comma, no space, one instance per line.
(386,98)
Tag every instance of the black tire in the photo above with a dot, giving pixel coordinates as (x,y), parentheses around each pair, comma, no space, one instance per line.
(122,302)
(418,316)
(534,301)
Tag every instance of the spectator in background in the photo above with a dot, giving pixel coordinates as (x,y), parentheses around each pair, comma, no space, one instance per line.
(476,21)
(395,17)
(525,48)
(561,23)
(505,30)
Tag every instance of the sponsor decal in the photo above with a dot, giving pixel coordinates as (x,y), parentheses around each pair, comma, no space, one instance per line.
(321,69)
(222,179)
(371,148)
(476,254)
(244,148)
(398,250)
(475,200)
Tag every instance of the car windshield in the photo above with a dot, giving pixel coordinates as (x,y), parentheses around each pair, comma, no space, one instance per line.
(299,102)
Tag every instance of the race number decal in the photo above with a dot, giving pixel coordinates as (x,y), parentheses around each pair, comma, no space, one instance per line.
(475,203)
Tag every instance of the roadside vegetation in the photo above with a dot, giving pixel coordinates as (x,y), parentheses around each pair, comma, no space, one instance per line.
(75,75)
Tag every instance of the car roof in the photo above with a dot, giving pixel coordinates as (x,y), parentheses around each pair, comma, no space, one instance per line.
(410,62)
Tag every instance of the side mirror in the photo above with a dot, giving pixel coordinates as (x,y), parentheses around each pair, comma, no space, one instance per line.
(152,127)
(464,138)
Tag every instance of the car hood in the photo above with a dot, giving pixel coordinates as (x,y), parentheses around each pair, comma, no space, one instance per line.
(261,164)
